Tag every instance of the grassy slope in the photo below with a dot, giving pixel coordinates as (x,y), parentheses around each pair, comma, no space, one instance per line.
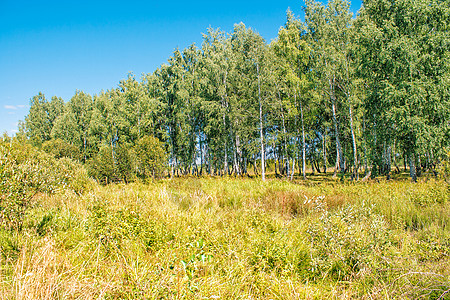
(234,239)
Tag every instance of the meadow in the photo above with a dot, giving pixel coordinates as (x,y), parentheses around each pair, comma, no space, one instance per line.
(232,238)
(98,198)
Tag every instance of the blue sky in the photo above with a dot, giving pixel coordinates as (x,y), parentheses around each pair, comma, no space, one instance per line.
(57,47)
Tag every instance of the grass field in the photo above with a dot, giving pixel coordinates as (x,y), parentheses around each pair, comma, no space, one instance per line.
(233,238)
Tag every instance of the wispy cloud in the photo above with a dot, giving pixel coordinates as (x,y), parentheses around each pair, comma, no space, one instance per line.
(11,132)
(14,107)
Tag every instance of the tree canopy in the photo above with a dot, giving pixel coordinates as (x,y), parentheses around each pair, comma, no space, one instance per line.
(360,93)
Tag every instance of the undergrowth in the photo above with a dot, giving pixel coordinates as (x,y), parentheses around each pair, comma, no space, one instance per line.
(232,239)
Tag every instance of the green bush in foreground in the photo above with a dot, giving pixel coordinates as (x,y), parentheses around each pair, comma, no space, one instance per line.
(26,172)
(346,241)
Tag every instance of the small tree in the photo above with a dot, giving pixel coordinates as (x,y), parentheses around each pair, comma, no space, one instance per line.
(101,166)
(151,158)
(123,162)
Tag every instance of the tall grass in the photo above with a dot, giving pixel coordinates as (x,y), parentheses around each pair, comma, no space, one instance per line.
(233,239)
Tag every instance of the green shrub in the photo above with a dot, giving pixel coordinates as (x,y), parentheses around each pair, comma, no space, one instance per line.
(111,165)
(111,226)
(72,175)
(101,166)
(346,240)
(196,264)
(445,168)
(124,163)
(59,149)
(10,244)
(151,159)
(25,172)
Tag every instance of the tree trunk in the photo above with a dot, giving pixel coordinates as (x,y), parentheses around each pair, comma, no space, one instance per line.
(394,158)
(255,168)
(286,167)
(418,166)
(201,155)
(336,129)
(225,106)
(412,167)
(388,163)
(210,162)
(84,147)
(355,155)
(303,141)
(336,167)
(237,157)
(244,165)
(316,165)
(285,145)
(324,152)
(275,158)
(365,147)
(404,161)
(339,155)
(276,171)
(293,169)
(261,134)
(225,159)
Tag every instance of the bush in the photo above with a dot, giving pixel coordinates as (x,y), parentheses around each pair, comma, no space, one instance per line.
(25,172)
(101,166)
(123,163)
(111,226)
(445,168)
(111,165)
(59,149)
(346,240)
(151,159)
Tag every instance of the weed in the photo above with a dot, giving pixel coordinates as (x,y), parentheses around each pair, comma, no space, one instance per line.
(230,238)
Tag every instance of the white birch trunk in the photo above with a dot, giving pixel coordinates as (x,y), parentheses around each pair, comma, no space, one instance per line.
(261,134)
(355,155)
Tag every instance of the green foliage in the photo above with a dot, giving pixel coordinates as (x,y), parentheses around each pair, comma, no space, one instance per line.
(111,165)
(37,124)
(402,50)
(71,175)
(194,265)
(123,162)
(346,241)
(149,244)
(25,173)
(445,168)
(151,159)
(59,149)
(10,244)
(102,166)
(112,226)
(368,91)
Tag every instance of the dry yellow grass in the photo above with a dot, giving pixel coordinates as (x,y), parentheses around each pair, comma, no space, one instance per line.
(233,239)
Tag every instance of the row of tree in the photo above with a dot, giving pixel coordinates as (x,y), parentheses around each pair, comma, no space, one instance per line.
(353,93)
